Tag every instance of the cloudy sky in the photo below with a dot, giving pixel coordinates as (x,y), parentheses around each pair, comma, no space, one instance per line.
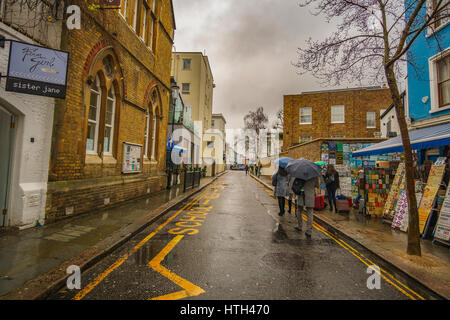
(251,45)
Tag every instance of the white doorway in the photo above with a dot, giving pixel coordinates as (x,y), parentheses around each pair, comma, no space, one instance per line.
(6,136)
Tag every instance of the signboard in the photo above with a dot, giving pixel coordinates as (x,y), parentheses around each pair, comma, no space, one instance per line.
(37,70)
(131,158)
(443,224)
(110,3)
(429,194)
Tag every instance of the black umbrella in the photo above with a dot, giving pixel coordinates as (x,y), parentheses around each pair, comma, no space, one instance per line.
(303,169)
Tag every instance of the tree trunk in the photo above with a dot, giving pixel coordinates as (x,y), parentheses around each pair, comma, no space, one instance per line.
(413,221)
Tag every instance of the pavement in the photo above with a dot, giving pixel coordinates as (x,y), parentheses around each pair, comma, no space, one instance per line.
(432,269)
(33,262)
(228,242)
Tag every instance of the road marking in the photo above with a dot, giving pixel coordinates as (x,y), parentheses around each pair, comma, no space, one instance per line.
(357,254)
(80,295)
(190,289)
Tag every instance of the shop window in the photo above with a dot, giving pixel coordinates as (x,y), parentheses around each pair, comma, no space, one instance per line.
(371,120)
(306,115)
(337,114)
(93,116)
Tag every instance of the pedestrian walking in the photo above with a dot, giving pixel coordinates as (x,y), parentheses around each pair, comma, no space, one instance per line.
(331,184)
(280,180)
(246,170)
(305,200)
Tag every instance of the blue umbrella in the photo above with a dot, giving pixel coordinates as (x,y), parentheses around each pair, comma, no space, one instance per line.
(283,162)
(303,169)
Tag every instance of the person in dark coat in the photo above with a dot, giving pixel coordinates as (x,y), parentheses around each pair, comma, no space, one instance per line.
(280,180)
(332,184)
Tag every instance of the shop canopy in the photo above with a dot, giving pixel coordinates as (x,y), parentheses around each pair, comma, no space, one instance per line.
(420,139)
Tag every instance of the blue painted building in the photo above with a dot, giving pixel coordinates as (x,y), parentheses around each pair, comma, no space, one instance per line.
(429,79)
(428,87)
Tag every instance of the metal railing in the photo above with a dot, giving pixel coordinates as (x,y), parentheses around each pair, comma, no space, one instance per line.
(191,179)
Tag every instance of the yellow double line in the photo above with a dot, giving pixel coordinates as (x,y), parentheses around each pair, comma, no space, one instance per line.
(383,273)
(80,295)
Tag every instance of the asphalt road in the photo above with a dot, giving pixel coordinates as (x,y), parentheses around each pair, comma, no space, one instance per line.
(228,242)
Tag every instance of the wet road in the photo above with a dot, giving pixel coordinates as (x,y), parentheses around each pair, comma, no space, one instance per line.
(228,242)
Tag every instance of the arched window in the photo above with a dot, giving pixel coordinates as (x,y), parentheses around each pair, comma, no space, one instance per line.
(94,116)
(103,99)
(155,125)
(109,121)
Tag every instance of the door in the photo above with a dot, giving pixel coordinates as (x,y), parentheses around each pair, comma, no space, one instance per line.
(6,134)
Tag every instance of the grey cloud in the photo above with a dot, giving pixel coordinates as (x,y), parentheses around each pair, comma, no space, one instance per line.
(251,45)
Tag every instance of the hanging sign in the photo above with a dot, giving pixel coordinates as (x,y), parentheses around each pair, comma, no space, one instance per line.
(110,3)
(443,224)
(131,158)
(37,70)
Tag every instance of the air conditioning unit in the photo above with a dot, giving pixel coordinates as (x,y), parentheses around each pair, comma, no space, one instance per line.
(377,134)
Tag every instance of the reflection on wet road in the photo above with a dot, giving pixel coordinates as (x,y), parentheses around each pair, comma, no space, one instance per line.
(228,242)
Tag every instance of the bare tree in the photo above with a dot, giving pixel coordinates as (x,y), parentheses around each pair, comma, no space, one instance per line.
(372,41)
(279,121)
(256,120)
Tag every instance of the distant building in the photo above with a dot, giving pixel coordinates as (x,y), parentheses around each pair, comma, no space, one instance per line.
(388,121)
(192,72)
(336,114)
(218,122)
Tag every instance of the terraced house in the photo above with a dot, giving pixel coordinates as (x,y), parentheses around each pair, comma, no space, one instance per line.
(110,132)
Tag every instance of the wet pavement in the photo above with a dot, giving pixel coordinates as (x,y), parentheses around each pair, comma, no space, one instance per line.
(229,243)
(27,254)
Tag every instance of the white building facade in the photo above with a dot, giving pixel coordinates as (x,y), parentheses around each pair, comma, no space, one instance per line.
(26,123)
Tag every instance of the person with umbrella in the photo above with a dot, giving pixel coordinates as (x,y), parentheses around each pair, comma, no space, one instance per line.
(280,180)
(304,180)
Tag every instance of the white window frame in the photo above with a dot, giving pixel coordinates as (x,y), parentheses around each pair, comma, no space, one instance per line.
(154,124)
(374,119)
(124,14)
(147,132)
(97,115)
(136,16)
(111,138)
(431,30)
(434,90)
(343,113)
(300,113)
(144,23)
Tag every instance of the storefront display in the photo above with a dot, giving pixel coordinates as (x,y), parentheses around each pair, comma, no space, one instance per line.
(394,192)
(442,231)
(429,194)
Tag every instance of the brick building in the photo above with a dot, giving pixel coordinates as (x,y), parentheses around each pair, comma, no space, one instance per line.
(338,114)
(115,115)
